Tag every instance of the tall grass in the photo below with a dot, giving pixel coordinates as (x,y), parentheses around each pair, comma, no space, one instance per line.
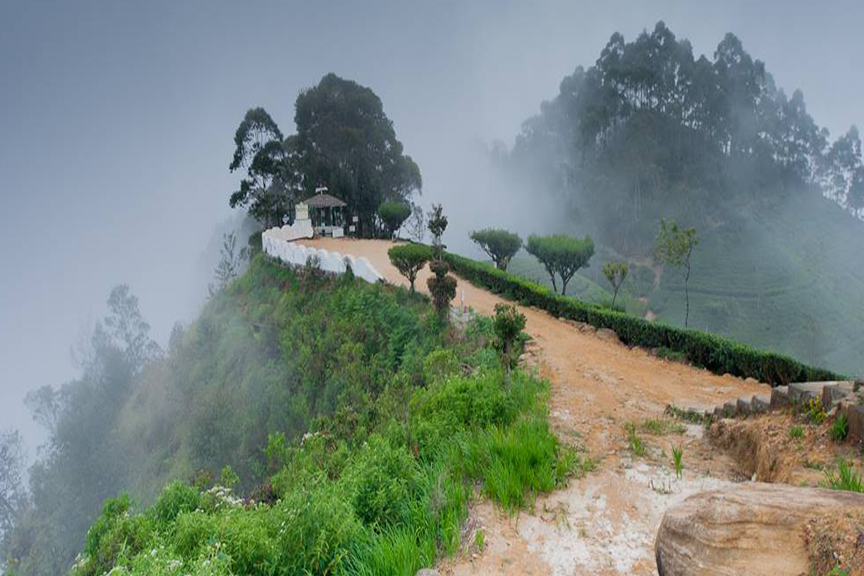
(845,478)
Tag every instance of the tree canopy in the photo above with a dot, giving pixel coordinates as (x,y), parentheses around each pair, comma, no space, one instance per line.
(651,130)
(394,214)
(268,186)
(615,273)
(674,246)
(409,259)
(346,142)
(561,255)
(500,245)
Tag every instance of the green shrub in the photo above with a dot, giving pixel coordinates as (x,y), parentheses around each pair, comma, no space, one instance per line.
(840,428)
(115,536)
(714,353)
(845,478)
(193,531)
(381,480)
(176,498)
(796,431)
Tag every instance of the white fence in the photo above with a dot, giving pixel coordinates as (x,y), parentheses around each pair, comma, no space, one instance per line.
(275,244)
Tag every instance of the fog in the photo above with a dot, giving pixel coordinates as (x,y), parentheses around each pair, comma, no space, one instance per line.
(117,121)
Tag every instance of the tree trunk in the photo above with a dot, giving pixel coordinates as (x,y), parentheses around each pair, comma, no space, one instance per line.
(687,296)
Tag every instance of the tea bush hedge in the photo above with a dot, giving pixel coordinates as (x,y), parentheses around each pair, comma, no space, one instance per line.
(715,353)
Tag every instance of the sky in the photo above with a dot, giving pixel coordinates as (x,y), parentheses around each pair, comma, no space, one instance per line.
(117,119)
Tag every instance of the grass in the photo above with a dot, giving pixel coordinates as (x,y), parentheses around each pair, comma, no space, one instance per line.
(796,431)
(662,427)
(840,428)
(677,455)
(688,415)
(637,446)
(480,539)
(845,478)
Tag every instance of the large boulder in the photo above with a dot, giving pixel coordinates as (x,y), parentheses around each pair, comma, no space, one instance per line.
(750,528)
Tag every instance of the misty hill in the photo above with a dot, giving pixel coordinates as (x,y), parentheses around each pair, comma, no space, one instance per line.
(651,132)
(354,420)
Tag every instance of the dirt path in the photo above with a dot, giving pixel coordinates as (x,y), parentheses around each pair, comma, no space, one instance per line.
(604,523)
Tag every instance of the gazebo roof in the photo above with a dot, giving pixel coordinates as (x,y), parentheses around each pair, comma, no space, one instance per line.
(324,201)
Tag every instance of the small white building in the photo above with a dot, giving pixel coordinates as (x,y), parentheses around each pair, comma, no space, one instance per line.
(326,212)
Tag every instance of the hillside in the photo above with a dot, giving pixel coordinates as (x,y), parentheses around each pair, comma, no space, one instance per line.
(326,395)
(779,282)
(652,131)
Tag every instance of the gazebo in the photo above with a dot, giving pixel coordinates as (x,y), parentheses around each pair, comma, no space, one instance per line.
(327,214)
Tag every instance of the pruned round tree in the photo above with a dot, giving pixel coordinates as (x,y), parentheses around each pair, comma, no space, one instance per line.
(441,286)
(561,255)
(508,324)
(499,244)
(409,259)
(393,214)
(437,224)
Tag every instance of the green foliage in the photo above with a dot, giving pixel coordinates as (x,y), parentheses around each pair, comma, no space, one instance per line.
(615,273)
(637,446)
(674,246)
(382,481)
(114,537)
(711,352)
(677,456)
(662,427)
(437,224)
(394,214)
(845,478)
(840,428)
(796,431)
(499,244)
(346,141)
(366,429)
(508,324)
(177,498)
(815,411)
(260,151)
(441,286)
(561,254)
(409,259)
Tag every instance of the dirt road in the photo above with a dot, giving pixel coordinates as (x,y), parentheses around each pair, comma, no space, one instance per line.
(604,523)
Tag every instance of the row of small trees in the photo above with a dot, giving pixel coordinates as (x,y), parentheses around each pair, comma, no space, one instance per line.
(560,254)
(563,255)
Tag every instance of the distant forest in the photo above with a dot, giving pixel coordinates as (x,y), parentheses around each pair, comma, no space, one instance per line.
(651,131)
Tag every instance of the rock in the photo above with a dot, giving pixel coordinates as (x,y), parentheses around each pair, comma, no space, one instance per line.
(833,392)
(427,572)
(719,413)
(760,403)
(746,529)
(730,409)
(743,405)
(608,335)
(779,397)
(853,407)
(803,391)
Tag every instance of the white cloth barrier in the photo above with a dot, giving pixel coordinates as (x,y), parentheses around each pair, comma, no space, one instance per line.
(275,243)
